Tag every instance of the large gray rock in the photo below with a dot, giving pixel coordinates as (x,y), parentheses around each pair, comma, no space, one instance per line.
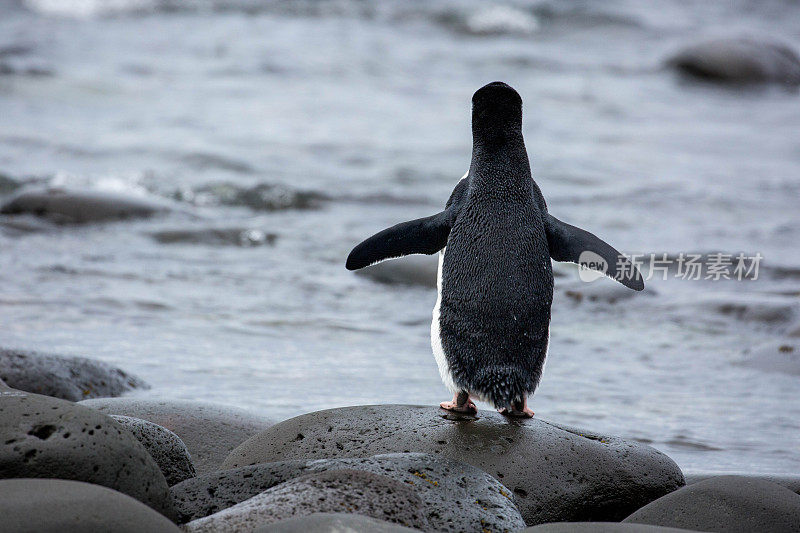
(599,527)
(164,446)
(68,378)
(726,504)
(355,491)
(209,431)
(43,437)
(557,473)
(332,523)
(456,496)
(61,506)
(741,60)
(790,481)
(78,206)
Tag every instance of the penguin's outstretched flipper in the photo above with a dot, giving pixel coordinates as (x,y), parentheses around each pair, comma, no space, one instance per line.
(568,243)
(422,236)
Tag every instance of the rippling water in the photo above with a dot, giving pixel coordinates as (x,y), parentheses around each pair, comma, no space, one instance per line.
(288,131)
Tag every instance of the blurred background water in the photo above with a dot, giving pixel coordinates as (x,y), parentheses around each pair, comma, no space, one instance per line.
(286,132)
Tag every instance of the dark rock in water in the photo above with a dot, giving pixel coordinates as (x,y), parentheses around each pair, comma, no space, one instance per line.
(790,481)
(8,184)
(333,523)
(356,491)
(761,310)
(164,446)
(456,496)
(68,378)
(739,60)
(779,356)
(410,270)
(216,237)
(15,67)
(604,291)
(261,197)
(209,431)
(61,506)
(726,504)
(557,473)
(600,527)
(78,206)
(44,437)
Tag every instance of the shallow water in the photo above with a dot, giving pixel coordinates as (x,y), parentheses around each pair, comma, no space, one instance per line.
(359,113)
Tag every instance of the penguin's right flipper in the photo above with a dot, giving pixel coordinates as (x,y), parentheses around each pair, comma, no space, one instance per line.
(567,243)
(422,236)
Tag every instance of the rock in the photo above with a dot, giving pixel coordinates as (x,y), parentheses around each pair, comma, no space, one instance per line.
(332,523)
(410,270)
(79,206)
(780,356)
(599,527)
(761,310)
(356,491)
(602,290)
(61,506)
(740,60)
(557,473)
(7,183)
(727,504)
(164,446)
(209,431)
(44,437)
(68,378)
(456,496)
(790,481)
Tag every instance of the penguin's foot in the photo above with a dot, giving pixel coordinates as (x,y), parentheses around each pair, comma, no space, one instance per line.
(460,404)
(518,410)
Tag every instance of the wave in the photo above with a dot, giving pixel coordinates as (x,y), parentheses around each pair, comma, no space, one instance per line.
(243,237)
(469,17)
(259,197)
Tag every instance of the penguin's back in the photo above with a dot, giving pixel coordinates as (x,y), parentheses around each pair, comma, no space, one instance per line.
(496,291)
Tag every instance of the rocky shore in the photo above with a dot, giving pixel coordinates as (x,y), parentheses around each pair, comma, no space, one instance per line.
(134,464)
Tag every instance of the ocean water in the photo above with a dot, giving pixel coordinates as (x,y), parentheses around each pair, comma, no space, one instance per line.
(286,132)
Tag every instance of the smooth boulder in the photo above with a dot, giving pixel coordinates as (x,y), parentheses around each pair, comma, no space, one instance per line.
(74,206)
(726,504)
(61,506)
(599,527)
(209,431)
(164,446)
(65,377)
(333,523)
(557,473)
(44,437)
(739,60)
(790,481)
(355,491)
(456,496)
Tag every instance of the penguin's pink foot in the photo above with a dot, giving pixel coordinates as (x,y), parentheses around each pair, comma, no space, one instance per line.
(517,410)
(460,404)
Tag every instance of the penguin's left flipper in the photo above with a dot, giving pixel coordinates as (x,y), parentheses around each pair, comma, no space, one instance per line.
(567,243)
(422,236)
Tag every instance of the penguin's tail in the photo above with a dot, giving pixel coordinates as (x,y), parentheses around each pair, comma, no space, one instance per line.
(503,385)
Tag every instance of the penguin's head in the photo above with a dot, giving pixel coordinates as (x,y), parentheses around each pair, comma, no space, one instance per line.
(496,112)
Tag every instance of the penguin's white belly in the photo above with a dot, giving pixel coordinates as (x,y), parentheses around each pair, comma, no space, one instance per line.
(436,333)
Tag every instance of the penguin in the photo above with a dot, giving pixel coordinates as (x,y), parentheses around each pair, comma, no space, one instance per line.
(495,239)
